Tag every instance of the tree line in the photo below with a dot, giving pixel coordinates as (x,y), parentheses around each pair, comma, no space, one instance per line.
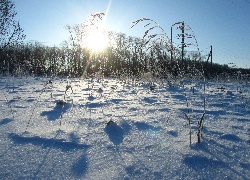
(124,55)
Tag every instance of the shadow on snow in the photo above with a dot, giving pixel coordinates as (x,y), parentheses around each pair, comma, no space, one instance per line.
(115,133)
(55,113)
(5,121)
(199,162)
(80,167)
(144,126)
(46,142)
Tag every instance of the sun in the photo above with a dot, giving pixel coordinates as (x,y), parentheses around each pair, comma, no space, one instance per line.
(97,39)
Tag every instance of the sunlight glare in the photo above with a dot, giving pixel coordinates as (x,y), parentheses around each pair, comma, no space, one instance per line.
(97,39)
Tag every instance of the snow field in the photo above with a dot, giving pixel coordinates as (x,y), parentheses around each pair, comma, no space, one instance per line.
(150,139)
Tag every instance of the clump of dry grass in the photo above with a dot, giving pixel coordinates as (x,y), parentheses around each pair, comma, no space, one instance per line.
(154,36)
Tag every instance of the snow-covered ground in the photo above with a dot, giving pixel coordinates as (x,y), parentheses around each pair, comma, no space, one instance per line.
(43,138)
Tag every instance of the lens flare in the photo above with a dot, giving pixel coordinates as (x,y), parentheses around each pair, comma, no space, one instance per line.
(97,39)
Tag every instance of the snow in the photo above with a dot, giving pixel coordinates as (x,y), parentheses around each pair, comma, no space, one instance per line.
(58,129)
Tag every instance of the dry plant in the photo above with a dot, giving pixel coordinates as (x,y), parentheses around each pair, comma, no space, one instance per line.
(200,121)
(156,36)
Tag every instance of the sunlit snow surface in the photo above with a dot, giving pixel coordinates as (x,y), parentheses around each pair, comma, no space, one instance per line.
(149,139)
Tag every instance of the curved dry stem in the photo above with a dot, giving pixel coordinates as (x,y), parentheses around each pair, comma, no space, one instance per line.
(163,37)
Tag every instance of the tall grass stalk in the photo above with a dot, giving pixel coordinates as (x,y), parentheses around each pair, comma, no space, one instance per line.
(201,121)
(151,39)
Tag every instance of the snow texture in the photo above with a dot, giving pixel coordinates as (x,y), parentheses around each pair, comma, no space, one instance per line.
(51,131)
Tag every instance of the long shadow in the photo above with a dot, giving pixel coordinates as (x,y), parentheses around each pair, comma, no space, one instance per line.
(94,105)
(47,143)
(56,144)
(243,119)
(55,113)
(231,137)
(5,121)
(199,162)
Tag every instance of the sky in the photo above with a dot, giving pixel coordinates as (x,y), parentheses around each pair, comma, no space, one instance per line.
(222,24)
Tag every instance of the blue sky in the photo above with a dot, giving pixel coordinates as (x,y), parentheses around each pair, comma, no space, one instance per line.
(224,24)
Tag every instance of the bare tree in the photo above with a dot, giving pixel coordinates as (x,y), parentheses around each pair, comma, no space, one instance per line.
(11,32)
